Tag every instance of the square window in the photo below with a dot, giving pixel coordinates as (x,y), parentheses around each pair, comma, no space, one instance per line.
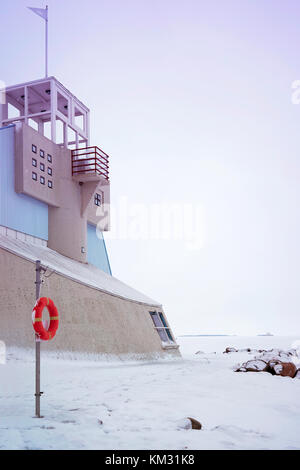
(50,184)
(98,199)
(49,171)
(42,180)
(34,148)
(42,153)
(34,176)
(34,162)
(42,167)
(49,158)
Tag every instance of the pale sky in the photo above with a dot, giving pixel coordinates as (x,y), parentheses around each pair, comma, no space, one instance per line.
(192,101)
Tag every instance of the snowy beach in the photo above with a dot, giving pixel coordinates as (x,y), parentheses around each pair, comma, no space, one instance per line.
(89,404)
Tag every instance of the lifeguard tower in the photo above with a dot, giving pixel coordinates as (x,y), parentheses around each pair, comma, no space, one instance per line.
(55,164)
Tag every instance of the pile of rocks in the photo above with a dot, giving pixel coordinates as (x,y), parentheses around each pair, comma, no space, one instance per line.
(274,361)
(249,350)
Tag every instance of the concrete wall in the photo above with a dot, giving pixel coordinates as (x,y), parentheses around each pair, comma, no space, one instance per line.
(97,253)
(67,225)
(18,211)
(100,216)
(90,321)
(25,138)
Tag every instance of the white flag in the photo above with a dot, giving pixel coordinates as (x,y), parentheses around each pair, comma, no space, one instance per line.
(43,12)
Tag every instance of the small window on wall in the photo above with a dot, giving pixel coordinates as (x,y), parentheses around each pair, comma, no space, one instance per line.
(49,158)
(34,176)
(42,180)
(161,327)
(50,184)
(42,167)
(34,162)
(34,148)
(42,153)
(49,171)
(98,199)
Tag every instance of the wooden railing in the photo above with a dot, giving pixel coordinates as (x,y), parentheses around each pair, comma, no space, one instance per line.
(90,160)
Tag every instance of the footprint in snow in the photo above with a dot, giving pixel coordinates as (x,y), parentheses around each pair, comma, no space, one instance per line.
(236,430)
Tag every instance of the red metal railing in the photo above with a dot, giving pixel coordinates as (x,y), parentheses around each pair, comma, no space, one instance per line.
(90,160)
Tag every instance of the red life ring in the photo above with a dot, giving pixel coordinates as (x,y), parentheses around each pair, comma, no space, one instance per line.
(37,319)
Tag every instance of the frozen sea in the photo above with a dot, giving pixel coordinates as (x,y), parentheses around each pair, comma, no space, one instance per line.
(97,404)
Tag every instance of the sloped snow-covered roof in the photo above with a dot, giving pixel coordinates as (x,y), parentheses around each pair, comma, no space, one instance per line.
(84,273)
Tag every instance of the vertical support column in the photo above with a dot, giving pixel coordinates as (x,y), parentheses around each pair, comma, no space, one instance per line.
(3,113)
(71,112)
(41,127)
(65,135)
(53,110)
(3,105)
(26,104)
(87,130)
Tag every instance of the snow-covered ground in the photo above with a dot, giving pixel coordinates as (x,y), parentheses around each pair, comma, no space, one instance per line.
(92,404)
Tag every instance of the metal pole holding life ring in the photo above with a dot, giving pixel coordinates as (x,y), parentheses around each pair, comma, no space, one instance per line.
(42,333)
(37,346)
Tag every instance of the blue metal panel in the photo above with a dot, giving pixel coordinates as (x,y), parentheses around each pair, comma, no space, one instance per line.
(18,211)
(97,253)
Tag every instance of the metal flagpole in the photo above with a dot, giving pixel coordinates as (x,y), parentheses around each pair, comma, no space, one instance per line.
(43,13)
(38,392)
(46,43)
